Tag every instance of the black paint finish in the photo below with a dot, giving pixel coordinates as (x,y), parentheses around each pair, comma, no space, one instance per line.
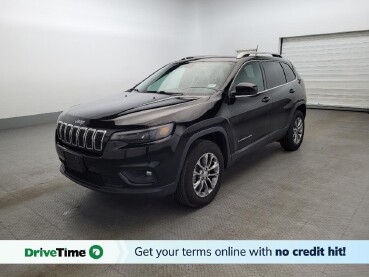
(237,123)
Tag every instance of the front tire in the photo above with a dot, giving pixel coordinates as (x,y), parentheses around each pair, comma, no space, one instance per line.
(201,175)
(295,134)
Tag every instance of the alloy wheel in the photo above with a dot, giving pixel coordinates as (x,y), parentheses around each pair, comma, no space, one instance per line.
(298,129)
(205,174)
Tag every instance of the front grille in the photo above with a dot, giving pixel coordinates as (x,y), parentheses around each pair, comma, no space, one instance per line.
(82,137)
(68,130)
(74,136)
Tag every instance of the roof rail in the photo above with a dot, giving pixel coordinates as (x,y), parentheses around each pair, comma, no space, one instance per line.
(186,58)
(197,57)
(204,56)
(242,54)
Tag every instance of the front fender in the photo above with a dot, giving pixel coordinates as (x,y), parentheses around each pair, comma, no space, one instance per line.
(201,129)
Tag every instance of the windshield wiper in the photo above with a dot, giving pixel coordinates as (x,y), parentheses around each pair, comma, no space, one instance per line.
(132,89)
(165,92)
(204,87)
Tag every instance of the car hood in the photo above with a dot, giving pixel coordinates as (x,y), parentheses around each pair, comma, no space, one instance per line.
(118,104)
(130,109)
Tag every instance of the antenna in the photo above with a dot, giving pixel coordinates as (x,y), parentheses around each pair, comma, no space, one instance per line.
(247,52)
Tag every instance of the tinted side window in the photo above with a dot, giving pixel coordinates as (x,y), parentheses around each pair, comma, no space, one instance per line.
(250,73)
(274,74)
(289,73)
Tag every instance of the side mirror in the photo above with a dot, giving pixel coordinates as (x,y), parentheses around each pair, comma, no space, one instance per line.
(246,89)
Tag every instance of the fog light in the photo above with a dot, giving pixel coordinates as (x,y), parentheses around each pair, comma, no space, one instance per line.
(139,176)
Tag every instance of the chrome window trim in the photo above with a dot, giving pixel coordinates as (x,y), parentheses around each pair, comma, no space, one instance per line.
(237,96)
(259,92)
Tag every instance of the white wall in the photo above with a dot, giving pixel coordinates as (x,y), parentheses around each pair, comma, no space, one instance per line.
(57,53)
(240,24)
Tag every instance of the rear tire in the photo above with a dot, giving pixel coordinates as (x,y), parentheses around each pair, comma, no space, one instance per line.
(295,134)
(201,175)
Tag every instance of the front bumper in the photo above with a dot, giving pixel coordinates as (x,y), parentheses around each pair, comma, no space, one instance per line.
(111,172)
(157,191)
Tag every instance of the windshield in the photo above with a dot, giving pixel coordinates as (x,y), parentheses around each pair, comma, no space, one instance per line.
(187,78)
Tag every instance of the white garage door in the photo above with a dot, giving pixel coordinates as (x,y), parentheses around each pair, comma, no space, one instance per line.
(335,68)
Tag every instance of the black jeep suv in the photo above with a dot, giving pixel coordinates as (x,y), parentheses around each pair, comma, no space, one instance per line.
(176,131)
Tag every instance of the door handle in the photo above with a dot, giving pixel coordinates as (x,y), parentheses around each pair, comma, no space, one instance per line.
(292,90)
(265,99)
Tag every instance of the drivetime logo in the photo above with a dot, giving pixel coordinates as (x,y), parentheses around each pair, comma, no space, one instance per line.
(95,252)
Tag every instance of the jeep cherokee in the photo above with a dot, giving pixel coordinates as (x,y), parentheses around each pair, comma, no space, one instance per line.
(177,130)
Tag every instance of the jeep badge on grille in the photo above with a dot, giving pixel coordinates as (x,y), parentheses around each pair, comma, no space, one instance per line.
(79,121)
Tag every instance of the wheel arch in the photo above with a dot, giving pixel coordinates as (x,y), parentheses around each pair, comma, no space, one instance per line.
(299,106)
(302,108)
(215,134)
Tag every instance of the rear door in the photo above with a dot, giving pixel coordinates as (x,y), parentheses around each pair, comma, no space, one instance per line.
(250,115)
(283,93)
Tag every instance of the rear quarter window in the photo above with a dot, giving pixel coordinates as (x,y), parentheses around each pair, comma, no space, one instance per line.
(274,74)
(290,75)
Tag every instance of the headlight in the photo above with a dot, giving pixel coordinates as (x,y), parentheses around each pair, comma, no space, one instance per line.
(146,135)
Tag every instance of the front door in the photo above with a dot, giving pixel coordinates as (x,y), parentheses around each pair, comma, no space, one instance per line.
(250,115)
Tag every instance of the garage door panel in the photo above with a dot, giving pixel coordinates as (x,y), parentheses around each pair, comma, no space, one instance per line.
(355,69)
(325,47)
(340,97)
(336,75)
(335,67)
(330,62)
(345,47)
(328,39)
(339,58)
(336,86)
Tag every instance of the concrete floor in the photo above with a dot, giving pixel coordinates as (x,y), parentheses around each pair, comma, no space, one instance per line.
(318,192)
